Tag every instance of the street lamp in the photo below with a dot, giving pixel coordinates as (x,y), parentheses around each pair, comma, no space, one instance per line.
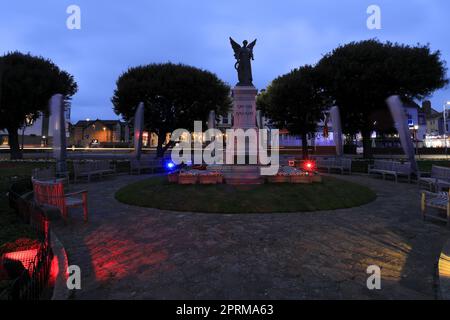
(1,78)
(447,104)
(28,122)
(416,129)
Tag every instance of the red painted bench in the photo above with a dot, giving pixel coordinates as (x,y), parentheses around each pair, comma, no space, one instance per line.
(52,194)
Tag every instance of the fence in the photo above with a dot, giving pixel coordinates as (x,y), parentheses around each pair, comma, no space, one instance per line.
(31,268)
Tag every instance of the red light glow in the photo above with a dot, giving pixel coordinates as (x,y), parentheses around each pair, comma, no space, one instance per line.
(115,258)
(309,165)
(26,258)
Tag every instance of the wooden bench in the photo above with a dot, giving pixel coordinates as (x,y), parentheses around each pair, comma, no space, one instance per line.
(438,180)
(52,194)
(49,174)
(139,165)
(438,201)
(391,168)
(92,168)
(44,174)
(340,164)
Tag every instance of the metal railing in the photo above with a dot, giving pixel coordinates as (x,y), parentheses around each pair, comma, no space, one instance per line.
(30,269)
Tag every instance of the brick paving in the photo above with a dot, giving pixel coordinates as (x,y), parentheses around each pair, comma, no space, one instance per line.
(128,252)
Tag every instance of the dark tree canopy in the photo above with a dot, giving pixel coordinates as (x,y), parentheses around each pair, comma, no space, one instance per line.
(295,102)
(360,76)
(174,95)
(27,84)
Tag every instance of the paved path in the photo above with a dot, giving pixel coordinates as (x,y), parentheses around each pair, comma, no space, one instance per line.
(127,252)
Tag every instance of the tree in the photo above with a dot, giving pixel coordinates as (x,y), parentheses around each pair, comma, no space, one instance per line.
(360,76)
(26,85)
(295,102)
(174,96)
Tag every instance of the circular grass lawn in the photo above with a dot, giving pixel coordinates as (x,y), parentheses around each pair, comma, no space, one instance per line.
(268,198)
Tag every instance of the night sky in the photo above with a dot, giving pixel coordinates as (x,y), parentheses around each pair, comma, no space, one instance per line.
(119,34)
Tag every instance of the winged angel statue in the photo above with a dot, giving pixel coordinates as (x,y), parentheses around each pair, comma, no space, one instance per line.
(243,65)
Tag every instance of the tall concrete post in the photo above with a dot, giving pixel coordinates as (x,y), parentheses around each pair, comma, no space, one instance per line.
(401,123)
(138,130)
(58,126)
(337,130)
(259,119)
(212,120)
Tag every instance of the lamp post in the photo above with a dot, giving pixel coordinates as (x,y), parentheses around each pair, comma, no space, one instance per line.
(1,78)
(28,122)
(416,129)
(447,104)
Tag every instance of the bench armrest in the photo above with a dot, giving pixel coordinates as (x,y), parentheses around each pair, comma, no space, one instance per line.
(428,193)
(76,193)
(432,194)
(424,174)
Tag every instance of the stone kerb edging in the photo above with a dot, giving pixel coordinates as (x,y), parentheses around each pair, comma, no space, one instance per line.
(60,261)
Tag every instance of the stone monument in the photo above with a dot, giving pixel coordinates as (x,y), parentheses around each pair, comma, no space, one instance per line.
(138,130)
(397,109)
(337,130)
(212,120)
(244,92)
(58,125)
(244,116)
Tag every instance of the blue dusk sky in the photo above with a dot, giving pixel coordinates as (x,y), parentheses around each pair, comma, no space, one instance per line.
(116,35)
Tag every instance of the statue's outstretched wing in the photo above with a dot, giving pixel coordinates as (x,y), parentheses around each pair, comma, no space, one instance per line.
(251,45)
(236,48)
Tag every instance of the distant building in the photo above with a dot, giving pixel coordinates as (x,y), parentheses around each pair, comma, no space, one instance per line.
(417,120)
(39,133)
(435,121)
(435,125)
(437,128)
(96,133)
(150,139)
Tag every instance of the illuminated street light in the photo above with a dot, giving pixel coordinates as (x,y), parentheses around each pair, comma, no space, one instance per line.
(415,129)
(29,120)
(445,125)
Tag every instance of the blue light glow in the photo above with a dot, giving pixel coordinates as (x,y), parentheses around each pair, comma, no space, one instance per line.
(170,165)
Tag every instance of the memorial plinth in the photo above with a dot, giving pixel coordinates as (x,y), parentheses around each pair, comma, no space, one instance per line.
(244,117)
(244,107)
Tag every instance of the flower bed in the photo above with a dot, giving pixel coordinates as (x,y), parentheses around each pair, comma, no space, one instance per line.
(200,175)
(300,178)
(173,177)
(210,178)
(290,175)
(278,178)
(200,167)
(187,178)
(316,177)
